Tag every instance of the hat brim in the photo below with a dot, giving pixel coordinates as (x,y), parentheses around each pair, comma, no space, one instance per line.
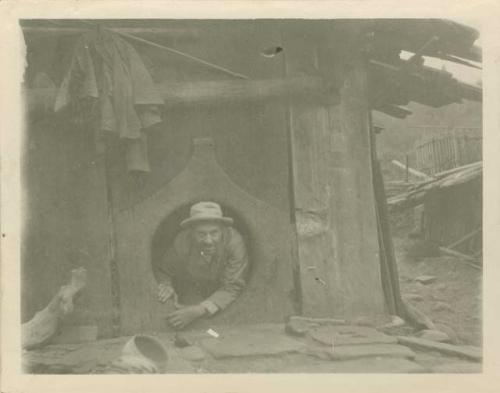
(193,220)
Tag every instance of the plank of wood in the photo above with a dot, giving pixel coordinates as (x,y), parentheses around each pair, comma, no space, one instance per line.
(41,101)
(164,32)
(464,238)
(459,168)
(411,170)
(333,191)
(308,134)
(468,352)
(459,255)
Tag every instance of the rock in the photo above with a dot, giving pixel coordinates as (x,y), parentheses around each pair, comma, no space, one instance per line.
(414,297)
(458,367)
(348,335)
(397,327)
(181,341)
(434,335)
(296,328)
(452,335)
(251,343)
(193,353)
(463,351)
(425,279)
(363,321)
(394,323)
(416,317)
(442,306)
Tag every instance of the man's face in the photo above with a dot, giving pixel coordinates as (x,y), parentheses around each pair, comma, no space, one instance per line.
(207,236)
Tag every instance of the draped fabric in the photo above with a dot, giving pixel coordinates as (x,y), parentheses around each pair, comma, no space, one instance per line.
(108,79)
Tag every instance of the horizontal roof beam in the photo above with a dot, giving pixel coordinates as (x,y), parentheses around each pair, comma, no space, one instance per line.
(226,92)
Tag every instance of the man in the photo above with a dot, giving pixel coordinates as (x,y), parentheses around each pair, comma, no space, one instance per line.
(205,268)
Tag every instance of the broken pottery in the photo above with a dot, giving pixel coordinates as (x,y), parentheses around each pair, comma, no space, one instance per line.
(141,355)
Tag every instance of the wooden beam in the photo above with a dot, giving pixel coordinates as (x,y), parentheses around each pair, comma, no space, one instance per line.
(464,238)
(411,170)
(225,92)
(474,165)
(334,205)
(456,254)
(165,32)
(393,110)
(234,91)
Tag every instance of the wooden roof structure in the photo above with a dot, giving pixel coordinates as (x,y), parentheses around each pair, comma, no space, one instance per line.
(394,81)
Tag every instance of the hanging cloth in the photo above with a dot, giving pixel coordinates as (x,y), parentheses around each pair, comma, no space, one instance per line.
(109,72)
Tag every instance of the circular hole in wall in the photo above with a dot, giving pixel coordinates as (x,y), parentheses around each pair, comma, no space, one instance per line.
(168,230)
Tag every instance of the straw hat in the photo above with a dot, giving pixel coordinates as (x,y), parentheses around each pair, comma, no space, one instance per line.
(206,211)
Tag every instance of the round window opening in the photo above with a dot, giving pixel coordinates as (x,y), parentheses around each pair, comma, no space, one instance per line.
(205,261)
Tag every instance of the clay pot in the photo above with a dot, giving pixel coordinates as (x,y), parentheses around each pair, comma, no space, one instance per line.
(140,355)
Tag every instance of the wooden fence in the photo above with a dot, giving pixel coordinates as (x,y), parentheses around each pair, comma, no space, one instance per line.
(450,150)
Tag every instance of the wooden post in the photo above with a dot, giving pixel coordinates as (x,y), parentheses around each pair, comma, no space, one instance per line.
(335,216)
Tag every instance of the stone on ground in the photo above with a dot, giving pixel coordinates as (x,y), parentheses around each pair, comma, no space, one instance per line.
(434,335)
(425,279)
(296,328)
(349,335)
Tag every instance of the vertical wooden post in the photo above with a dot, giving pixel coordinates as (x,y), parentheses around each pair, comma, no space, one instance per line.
(335,215)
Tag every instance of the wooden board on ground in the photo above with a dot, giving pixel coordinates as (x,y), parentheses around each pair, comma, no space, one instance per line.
(463,351)
(350,335)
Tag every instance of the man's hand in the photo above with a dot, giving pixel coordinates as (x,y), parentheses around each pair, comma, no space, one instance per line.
(165,291)
(184,316)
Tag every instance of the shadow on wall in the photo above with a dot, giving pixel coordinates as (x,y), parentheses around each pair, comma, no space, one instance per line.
(166,232)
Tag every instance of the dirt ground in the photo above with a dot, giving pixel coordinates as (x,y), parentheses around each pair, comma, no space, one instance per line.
(453,300)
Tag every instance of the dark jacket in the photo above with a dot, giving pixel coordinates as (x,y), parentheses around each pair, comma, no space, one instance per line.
(219,281)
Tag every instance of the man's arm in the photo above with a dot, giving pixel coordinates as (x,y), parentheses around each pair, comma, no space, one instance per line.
(233,278)
(163,273)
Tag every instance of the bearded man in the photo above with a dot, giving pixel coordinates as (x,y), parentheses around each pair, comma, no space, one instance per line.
(205,269)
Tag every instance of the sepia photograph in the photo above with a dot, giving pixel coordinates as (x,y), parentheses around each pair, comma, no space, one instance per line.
(251,196)
(241,196)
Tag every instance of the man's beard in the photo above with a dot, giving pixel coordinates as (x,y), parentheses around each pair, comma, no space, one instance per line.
(209,251)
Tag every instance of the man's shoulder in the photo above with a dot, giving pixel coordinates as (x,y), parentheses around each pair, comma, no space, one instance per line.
(234,238)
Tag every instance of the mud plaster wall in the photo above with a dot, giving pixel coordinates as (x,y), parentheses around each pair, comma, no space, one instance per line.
(250,145)
(65,221)
(247,172)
